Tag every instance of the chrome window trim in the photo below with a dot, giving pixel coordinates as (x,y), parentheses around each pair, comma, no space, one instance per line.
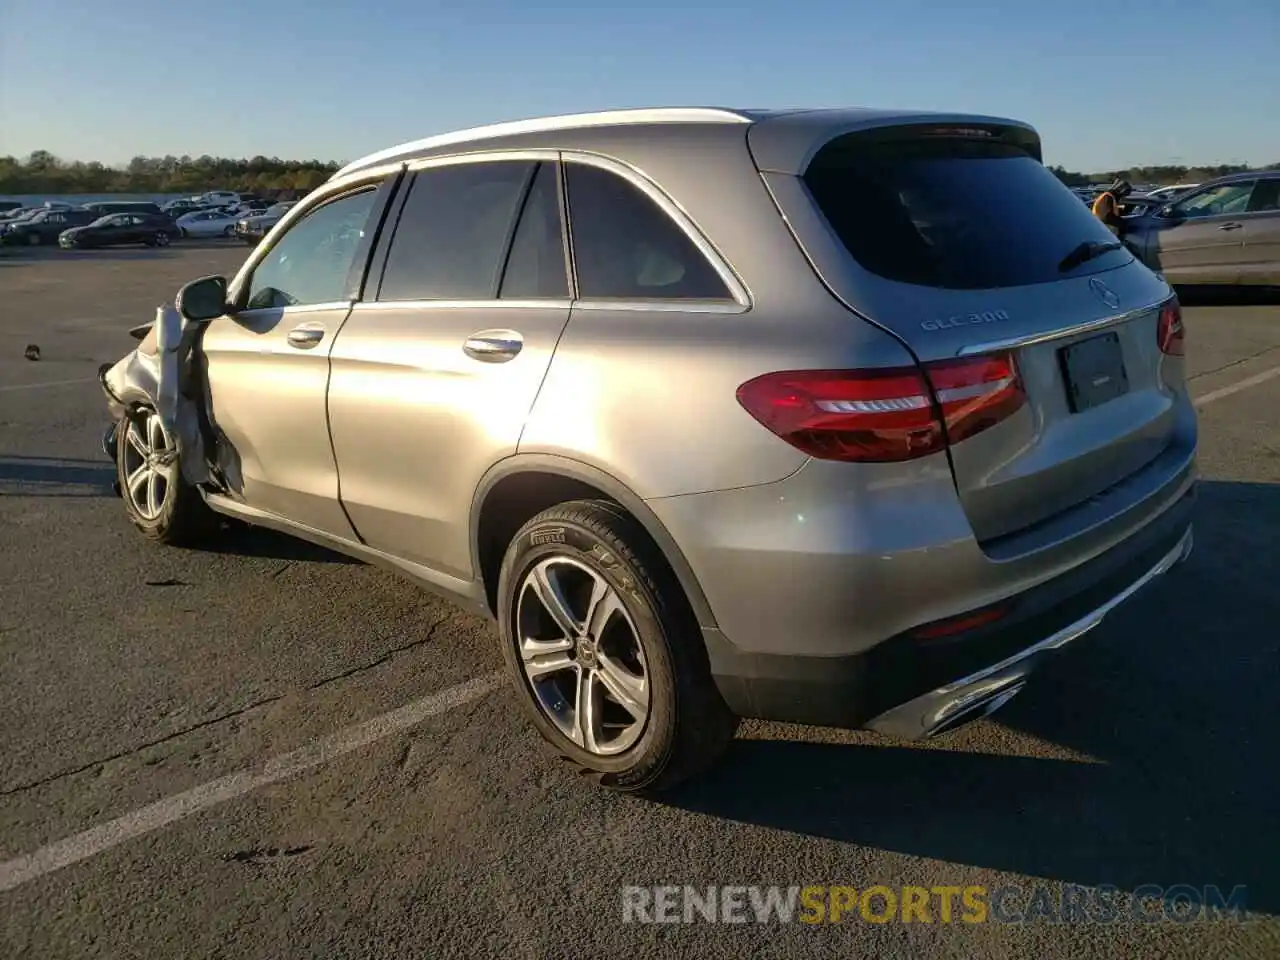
(299,308)
(562,303)
(664,306)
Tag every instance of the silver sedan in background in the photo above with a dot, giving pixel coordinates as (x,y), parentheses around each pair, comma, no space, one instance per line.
(1226,231)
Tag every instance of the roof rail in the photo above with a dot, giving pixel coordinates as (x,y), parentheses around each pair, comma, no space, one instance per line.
(567,121)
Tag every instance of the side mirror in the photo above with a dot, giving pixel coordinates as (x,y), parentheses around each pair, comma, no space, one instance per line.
(203,299)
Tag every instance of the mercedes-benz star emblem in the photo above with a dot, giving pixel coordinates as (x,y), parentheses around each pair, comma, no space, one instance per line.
(1105,293)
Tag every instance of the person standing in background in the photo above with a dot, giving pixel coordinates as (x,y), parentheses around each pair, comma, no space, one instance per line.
(1106,207)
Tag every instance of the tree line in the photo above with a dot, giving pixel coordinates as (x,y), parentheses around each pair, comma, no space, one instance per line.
(42,172)
(1159,174)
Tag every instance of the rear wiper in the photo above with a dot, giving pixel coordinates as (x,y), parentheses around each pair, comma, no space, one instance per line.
(1089,250)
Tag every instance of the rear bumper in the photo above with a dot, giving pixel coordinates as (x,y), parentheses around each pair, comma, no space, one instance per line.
(911,687)
(989,688)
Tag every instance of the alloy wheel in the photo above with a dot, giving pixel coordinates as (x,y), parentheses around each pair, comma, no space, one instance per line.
(582,656)
(149,464)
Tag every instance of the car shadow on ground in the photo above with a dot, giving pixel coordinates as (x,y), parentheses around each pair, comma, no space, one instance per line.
(1171,703)
(1224,296)
(243,540)
(26,476)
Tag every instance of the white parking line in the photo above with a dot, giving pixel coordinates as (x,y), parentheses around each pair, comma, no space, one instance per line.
(1244,384)
(81,846)
(47,383)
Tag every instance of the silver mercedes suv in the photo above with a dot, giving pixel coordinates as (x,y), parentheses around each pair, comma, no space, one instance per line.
(842,417)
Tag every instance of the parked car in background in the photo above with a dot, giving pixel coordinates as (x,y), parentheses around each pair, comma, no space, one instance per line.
(44,227)
(719,413)
(1226,231)
(219,198)
(207,223)
(19,213)
(104,207)
(253,228)
(120,229)
(1140,202)
(176,208)
(1171,192)
(7,205)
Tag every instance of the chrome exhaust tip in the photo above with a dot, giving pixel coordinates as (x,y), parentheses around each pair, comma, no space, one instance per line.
(1000,699)
(978,709)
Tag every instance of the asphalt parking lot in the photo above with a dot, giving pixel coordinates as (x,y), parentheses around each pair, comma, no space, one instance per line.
(131,675)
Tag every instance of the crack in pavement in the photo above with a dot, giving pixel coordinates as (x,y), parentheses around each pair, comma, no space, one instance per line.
(221,718)
(1233,363)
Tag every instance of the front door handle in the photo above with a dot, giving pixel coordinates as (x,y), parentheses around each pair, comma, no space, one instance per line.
(493,346)
(305,337)
(1231,226)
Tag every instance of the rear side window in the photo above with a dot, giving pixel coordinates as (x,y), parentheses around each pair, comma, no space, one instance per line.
(625,247)
(954,212)
(536,264)
(1265,197)
(453,231)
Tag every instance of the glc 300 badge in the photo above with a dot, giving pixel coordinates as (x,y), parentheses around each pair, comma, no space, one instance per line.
(965,320)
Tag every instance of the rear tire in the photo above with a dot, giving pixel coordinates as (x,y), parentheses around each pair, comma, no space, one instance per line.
(157,500)
(642,655)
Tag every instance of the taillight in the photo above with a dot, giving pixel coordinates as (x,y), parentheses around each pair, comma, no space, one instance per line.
(1170,333)
(885,415)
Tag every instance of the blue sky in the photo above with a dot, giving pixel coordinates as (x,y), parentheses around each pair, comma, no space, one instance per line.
(334,79)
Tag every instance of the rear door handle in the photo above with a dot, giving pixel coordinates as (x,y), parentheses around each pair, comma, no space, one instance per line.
(305,336)
(1231,226)
(493,346)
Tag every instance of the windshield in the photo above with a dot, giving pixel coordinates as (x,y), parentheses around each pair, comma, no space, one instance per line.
(955,213)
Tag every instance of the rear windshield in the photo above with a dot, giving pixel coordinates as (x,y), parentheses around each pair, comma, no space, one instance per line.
(953,212)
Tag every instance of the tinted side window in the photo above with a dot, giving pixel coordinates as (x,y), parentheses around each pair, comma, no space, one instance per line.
(536,264)
(310,263)
(453,231)
(625,247)
(1266,196)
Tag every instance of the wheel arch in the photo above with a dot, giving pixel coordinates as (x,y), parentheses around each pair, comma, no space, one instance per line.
(523,485)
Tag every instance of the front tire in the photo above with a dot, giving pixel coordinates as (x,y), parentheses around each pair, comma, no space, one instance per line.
(604,650)
(157,500)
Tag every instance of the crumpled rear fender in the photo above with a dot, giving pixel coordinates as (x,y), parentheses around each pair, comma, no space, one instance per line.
(153,375)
